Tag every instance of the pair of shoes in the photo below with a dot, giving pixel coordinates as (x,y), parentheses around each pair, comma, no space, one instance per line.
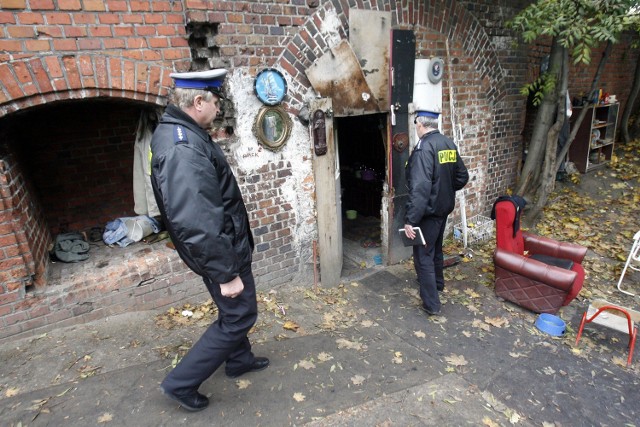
(259,363)
(430,312)
(192,402)
(95,234)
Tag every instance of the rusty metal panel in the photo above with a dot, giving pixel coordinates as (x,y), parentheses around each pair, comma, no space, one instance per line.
(337,75)
(370,38)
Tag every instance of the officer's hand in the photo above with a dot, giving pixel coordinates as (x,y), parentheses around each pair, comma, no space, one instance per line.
(233,288)
(408,229)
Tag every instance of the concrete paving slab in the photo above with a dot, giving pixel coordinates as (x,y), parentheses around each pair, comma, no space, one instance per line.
(310,377)
(445,401)
(365,354)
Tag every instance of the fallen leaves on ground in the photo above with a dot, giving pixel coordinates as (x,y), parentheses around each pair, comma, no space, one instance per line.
(350,345)
(456,360)
(324,357)
(305,364)
(291,326)
(243,384)
(357,380)
(188,314)
(498,322)
(598,211)
(105,418)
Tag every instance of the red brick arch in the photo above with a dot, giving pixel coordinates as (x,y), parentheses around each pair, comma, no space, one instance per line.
(36,81)
(450,19)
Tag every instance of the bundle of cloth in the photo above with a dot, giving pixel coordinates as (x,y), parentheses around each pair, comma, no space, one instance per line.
(127,230)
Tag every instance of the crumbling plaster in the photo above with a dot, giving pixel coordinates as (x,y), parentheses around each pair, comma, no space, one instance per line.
(298,190)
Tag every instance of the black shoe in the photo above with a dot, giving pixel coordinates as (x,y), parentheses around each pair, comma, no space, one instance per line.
(430,312)
(259,363)
(192,402)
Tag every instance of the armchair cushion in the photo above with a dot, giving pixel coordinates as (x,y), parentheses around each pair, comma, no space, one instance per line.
(567,264)
(545,246)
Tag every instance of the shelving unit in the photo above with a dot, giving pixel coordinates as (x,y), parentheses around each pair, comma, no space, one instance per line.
(594,142)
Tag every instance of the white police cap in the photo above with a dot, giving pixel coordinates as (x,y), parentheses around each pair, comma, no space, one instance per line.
(210,80)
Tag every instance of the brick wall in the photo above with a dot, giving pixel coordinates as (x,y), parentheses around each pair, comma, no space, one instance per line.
(272,221)
(616,79)
(72,50)
(83,169)
(123,50)
(16,231)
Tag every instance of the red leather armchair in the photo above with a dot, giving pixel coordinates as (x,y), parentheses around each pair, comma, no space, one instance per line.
(542,287)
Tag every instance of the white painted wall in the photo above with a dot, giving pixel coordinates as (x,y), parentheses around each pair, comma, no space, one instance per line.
(250,155)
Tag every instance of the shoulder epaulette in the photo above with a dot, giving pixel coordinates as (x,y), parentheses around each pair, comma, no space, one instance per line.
(179,135)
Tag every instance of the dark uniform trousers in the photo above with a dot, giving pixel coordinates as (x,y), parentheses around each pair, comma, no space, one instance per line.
(429,262)
(224,341)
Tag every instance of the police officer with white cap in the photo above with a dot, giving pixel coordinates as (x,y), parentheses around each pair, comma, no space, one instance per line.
(435,171)
(203,210)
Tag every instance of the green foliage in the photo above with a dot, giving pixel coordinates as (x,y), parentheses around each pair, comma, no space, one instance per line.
(577,25)
(541,86)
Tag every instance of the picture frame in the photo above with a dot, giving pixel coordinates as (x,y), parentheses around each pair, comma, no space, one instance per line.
(272,127)
(270,86)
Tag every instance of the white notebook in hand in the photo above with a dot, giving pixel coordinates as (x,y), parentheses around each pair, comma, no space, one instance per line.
(418,240)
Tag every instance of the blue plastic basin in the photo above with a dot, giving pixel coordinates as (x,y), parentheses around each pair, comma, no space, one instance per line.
(550,324)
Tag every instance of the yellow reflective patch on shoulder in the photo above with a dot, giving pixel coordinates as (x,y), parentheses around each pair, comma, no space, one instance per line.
(150,158)
(447,156)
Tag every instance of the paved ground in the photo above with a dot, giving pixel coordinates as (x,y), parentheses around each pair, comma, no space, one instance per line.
(359,354)
(363,353)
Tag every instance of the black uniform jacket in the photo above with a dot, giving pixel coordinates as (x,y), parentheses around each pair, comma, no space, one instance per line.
(435,172)
(199,199)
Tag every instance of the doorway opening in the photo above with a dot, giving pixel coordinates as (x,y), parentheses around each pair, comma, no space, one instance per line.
(362,157)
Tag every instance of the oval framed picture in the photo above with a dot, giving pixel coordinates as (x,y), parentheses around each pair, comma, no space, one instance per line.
(272,127)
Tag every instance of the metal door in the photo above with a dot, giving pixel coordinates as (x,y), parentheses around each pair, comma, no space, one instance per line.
(403,47)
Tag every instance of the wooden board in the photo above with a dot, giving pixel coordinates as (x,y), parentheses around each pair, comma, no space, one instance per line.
(337,75)
(612,319)
(369,35)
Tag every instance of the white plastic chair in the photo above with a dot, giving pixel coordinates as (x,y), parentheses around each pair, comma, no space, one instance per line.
(633,261)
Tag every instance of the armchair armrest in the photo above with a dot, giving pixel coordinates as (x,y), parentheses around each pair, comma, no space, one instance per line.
(550,275)
(545,246)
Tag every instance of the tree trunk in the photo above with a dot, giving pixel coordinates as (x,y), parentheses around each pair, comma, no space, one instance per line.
(548,179)
(530,175)
(583,112)
(634,132)
(624,122)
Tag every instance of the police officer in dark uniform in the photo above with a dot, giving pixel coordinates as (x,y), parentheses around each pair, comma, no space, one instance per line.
(204,213)
(434,172)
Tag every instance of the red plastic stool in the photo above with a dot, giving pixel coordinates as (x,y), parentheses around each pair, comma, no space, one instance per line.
(617,318)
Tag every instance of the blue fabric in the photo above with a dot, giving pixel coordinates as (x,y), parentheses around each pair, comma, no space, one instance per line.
(115,232)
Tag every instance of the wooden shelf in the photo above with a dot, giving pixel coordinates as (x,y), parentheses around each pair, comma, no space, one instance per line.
(600,118)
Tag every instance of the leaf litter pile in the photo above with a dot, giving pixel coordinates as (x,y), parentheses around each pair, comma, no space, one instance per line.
(599,210)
